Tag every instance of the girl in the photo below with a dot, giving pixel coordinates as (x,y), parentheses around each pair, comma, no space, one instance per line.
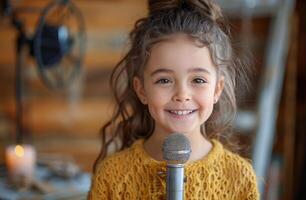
(178,76)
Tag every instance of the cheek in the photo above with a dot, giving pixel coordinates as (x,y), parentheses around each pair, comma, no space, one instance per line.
(155,101)
(206,102)
(152,112)
(156,96)
(156,111)
(204,97)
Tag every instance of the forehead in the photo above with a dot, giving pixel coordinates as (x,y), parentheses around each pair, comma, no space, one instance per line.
(179,52)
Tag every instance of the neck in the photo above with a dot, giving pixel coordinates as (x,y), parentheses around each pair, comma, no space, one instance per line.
(200,147)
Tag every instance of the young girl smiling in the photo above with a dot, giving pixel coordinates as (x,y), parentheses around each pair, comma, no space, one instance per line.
(178,77)
(180,86)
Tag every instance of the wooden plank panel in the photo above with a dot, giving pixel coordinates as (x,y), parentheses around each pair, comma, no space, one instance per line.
(45,116)
(97,14)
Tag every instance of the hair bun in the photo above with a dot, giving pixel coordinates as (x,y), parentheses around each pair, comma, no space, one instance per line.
(206,7)
(162,5)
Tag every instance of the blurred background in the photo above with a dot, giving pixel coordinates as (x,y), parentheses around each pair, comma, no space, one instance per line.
(55,62)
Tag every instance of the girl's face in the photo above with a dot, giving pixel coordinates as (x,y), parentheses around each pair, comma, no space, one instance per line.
(180,86)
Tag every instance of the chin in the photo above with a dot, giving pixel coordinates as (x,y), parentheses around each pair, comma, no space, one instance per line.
(183,131)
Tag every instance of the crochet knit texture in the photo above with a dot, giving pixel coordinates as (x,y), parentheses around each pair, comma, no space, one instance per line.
(133,174)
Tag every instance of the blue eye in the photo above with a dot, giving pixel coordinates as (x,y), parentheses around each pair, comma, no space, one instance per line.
(163,81)
(199,80)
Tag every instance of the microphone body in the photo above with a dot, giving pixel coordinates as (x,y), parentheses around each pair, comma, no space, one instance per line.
(175,182)
(176,152)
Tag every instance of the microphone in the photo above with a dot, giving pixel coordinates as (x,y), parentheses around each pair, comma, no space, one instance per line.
(176,152)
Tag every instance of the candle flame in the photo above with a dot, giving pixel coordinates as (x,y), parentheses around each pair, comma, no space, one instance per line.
(19,151)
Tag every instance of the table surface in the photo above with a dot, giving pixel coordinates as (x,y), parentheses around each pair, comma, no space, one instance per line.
(75,188)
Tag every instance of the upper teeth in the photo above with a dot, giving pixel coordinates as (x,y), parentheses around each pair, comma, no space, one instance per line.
(181,112)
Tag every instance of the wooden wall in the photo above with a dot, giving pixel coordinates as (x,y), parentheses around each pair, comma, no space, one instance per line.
(66,121)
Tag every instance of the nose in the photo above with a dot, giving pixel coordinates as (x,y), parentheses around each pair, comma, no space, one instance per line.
(181,94)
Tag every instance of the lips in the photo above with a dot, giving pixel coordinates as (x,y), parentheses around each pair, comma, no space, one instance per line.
(181,112)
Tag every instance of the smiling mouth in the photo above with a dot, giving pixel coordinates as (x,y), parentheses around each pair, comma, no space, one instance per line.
(181,112)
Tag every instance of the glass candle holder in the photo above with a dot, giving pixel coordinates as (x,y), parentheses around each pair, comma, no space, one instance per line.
(21,163)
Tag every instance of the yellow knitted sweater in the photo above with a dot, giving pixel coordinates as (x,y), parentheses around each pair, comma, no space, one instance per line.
(133,174)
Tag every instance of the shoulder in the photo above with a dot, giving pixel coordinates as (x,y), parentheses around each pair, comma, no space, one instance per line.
(238,163)
(119,161)
(234,163)
(231,160)
(241,171)
(236,160)
(112,171)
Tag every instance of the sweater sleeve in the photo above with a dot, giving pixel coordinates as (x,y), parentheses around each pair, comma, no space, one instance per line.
(251,189)
(252,193)
(99,187)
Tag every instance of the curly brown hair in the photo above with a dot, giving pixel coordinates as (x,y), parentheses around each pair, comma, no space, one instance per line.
(202,21)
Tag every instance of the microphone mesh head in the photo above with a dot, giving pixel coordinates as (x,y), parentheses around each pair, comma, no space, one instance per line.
(176,149)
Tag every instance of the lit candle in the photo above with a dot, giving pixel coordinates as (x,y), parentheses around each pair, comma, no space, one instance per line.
(21,162)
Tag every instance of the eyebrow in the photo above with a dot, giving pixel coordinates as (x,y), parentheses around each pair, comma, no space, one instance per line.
(165,70)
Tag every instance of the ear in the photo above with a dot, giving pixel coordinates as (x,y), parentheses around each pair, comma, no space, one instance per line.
(139,89)
(219,88)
